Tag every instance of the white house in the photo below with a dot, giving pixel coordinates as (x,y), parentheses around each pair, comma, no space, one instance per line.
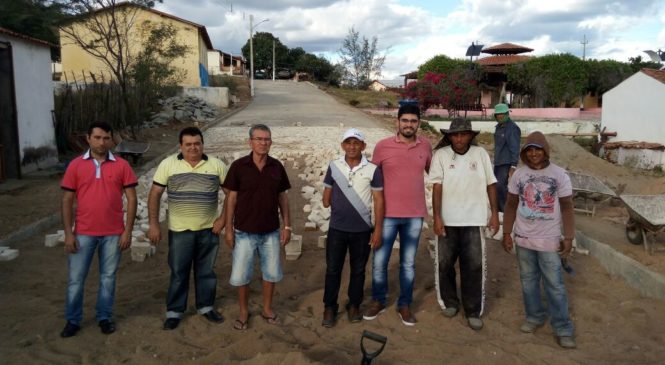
(27,135)
(635,110)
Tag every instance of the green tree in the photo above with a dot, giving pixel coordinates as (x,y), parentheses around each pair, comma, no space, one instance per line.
(103,28)
(361,59)
(603,75)
(637,63)
(293,57)
(318,67)
(442,64)
(152,74)
(34,18)
(262,43)
(551,80)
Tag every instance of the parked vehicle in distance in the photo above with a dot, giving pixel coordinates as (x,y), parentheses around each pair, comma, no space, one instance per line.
(284,73)
(259,74)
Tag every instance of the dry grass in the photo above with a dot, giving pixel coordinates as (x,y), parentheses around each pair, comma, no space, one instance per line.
(363,98)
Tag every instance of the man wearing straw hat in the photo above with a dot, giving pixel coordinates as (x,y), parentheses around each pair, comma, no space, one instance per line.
(464,187)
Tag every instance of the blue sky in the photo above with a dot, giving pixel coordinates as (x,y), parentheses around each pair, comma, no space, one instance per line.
(414,31)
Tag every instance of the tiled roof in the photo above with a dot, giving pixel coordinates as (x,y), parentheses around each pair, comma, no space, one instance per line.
(26,37)
(506,48)
(656,74)
(501,60)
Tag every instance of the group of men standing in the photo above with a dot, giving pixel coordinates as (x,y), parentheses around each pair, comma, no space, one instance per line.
(255,188)
(372,203)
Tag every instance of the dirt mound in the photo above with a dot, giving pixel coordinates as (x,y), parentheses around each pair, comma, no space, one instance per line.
(573,157)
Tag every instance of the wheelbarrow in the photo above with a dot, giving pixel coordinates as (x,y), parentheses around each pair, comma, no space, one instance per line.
(646,218)
(588,188)
(132,149)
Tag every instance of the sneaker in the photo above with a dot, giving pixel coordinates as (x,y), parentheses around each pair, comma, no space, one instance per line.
(353,313)
(374,310)
(528,327)
(405,315)
(567,342)
(70,330)
(475,323)
(450,312)
(328,318)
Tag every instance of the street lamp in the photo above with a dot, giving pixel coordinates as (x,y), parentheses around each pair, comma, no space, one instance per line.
(251,51)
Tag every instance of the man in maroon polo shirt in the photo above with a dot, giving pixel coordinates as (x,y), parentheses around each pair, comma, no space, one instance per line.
(256,189)
(97,180)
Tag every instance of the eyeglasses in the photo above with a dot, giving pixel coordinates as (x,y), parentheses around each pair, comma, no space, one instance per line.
(412,121)
(260,139)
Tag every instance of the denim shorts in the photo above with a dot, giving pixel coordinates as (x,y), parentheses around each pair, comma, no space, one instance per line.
(269,250)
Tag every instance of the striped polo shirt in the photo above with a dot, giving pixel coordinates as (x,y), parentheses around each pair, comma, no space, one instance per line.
(192,191)
(351,200)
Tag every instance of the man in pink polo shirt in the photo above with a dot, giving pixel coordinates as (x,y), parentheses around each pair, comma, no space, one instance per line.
(97,180)
(403,158)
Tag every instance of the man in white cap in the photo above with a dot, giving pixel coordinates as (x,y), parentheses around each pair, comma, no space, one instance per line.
(352,184)
(506,151)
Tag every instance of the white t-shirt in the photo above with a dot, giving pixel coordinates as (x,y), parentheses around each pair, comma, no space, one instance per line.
(538,220)
(465,179)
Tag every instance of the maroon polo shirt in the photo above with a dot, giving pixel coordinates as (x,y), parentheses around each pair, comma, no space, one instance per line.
(257,203)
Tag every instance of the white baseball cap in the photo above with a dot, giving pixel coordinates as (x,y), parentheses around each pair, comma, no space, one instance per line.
(353,133)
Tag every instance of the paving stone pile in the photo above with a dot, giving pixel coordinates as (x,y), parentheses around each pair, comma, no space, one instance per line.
(182,108)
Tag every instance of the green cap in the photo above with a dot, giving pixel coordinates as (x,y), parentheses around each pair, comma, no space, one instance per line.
(500,109)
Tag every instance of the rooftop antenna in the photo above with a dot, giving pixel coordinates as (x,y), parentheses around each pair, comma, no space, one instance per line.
(656,56)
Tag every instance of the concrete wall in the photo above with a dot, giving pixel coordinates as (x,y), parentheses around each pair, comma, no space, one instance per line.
(635,109)
(34,103)
(638,158)
(649,283)
(217,96)
(214,64)
(75,60)
(547,127)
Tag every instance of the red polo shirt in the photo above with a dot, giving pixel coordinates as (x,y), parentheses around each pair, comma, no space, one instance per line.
(403,167)
(99,189)
(257,203)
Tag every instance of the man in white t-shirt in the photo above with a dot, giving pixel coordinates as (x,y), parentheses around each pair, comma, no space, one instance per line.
(539,203)
(464,193)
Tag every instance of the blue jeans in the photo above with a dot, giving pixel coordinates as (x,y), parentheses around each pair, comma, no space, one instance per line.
(501,174)
(537,265)
(187,249)
(79,264)
(409,233)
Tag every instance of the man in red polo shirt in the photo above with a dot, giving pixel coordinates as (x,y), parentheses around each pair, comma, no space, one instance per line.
(97,180)
(403,158)
(257,185)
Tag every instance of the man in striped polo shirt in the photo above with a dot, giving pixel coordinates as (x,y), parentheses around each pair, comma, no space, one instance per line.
(192,180)
(351,184)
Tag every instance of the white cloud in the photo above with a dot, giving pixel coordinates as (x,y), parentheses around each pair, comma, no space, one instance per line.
(615,29)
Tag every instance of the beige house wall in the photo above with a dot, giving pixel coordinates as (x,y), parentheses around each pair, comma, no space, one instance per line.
(76,62)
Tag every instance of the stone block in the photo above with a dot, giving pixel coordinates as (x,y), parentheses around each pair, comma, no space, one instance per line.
(141,248)
(323,226)
(139,256)
(51,240)
(294,248)
(310,226)
(8,254)
(307,208)
(425,226)
(325,213)
(322,241)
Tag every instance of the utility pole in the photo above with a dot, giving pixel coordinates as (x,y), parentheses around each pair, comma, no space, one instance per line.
(583,43)
(251,56)
(273,60)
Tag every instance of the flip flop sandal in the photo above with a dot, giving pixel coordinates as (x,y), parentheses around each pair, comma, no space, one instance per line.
(240,325)
(271,320)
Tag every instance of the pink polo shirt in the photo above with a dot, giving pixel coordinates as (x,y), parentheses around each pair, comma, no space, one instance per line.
(403,169)
(99,189)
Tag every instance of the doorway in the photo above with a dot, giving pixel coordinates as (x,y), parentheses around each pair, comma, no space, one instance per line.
(10,160)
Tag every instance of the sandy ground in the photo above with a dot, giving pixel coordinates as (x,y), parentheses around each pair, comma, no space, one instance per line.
(614,325)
